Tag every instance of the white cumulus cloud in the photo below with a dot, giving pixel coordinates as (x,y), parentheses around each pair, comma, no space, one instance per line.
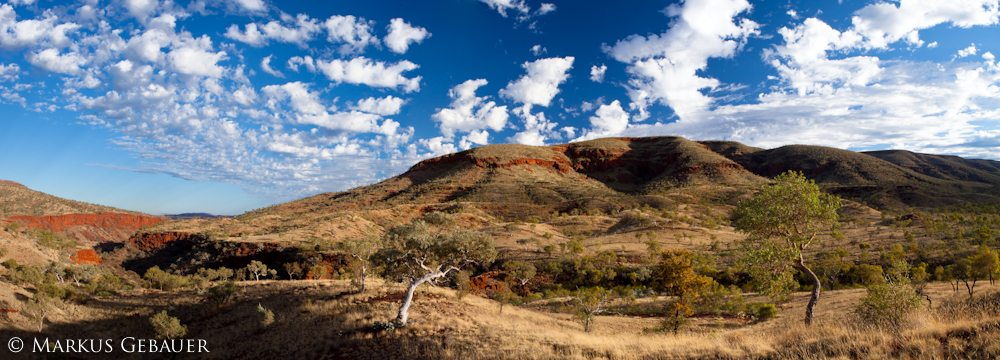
(9,72)
(295,61)
(469,112)
(389,105)
(501,6)
(541,82)
(883,23)
(355,33)
(664,68)
(597,73)
(402,34)
(299,30)
(538,50)
(47,31)
(969,51)
(609,120)
(362,70)
(196,57)
(52,60)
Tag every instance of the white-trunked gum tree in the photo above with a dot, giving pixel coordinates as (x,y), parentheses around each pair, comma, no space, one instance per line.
(427,249)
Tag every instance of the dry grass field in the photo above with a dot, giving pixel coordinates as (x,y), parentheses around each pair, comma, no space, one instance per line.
(326,319)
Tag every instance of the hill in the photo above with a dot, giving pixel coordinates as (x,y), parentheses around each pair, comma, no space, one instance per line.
(50,217)
(17,199)
(544,176)
(889,179)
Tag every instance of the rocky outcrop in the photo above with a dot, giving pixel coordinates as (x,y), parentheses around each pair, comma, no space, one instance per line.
(60,223)
(156,241)
(86,257)
(89,229)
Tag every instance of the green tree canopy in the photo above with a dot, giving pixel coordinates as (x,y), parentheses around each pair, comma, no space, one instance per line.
(780,222)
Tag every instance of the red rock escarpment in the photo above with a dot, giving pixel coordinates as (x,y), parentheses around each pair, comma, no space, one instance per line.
(156,241)
(60,223)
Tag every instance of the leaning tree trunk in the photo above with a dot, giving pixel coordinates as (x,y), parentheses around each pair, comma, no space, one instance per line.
(404,308)
(800,264)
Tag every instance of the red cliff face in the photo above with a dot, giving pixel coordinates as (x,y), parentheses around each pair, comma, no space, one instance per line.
(155,241)
(89,229)
(60,223)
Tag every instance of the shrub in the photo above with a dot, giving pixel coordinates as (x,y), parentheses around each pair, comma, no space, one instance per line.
(108,284)
(10,264)
(26,275)
(438,218)
(764,311)
(167,326)
(318,271)
(575,246)
(224,273)
(224,292)
(889,303)
(267,314)
(384,326)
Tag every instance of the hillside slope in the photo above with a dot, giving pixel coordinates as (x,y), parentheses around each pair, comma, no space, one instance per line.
(88,224)
(510,173)
(885,178)
(17,199)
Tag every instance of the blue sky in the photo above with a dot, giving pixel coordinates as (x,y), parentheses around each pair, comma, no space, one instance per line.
(223,106)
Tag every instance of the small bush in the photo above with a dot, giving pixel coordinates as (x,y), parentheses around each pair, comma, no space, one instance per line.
(764,311)
(167,326)
(439,218)
(224,292)
(384,326)
(318,272)
(10,264)
(107,285)
(889,303)
(22,275)
(267,314)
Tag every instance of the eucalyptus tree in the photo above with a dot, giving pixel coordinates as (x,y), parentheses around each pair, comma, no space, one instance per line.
(363,250)
(419,252)
(780,222)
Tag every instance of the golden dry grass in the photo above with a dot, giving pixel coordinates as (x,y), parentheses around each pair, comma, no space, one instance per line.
(326,319)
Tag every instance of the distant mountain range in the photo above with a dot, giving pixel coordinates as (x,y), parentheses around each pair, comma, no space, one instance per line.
(193,216)
(536,175)
(521,180)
